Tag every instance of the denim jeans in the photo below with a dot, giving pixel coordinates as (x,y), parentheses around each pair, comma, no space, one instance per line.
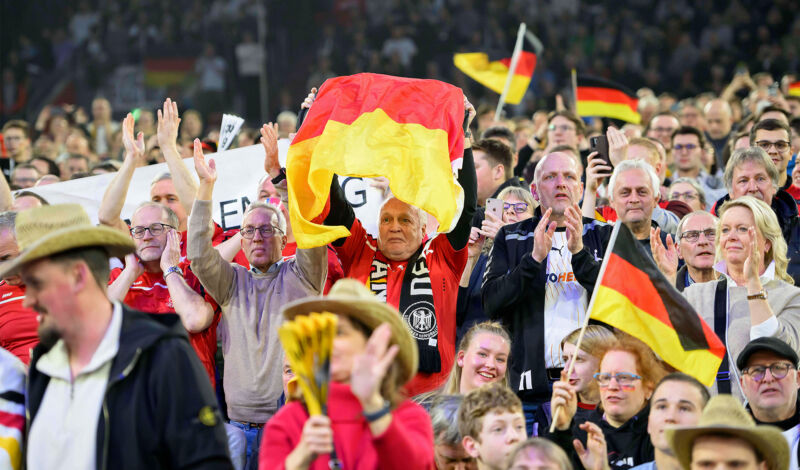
(253,437)
(237,445)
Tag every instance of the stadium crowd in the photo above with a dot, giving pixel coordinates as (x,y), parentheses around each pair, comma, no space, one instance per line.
(154,342)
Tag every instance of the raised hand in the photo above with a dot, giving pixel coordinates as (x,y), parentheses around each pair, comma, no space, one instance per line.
(666,257)
(574,223)
(471,113)
(543,237)
(490,225)
(316,439)
(565,397)
(596,171)
(595,455)
(476,241)
(309,99)
(617,144)
(133,265)
(168,124)
(134,147)
(207,172)
(370,367)
(754,260)
(171,256)
(269,140)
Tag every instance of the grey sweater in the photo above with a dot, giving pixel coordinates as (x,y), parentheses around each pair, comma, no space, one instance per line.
(251,305)
(783,298)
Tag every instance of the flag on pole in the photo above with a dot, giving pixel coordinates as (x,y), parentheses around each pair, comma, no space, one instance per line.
(632,295)
(597,97)
(794,89)
(492,72)
(369,125)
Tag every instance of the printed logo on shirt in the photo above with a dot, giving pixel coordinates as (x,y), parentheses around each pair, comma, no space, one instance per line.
(7,294)
(421,319)
(561,277)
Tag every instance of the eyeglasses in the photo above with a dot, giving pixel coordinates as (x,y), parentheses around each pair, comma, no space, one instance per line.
(624,379)
(663,130)
(687,147)
(780,146)
(688,196)
(519,207)
(562,128)
(156,229)
(694,235)
(266,231)
(778,370)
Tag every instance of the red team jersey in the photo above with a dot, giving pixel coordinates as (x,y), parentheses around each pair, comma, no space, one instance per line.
(18,325)
(445,266)
(149,294)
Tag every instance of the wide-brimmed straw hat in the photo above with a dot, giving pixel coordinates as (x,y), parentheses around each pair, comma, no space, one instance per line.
(48,230)
(352,298)
(725,415)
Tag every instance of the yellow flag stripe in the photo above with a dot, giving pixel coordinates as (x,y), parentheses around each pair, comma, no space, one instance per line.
(492,75)
(610,110)
(361,149)
(615,309)
(12,448)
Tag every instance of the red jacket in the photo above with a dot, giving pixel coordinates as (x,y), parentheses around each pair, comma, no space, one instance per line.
(406,445)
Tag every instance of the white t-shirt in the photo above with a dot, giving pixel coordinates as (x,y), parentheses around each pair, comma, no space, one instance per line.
(65,427)
(564,302)
(792,437)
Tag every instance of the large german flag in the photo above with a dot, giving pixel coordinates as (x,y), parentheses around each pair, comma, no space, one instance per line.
(602,98)
(631,294)
(368,125)
(794,89)
(493,73)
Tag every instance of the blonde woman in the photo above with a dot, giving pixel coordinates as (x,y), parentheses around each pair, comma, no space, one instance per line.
(755,297)
(482,358)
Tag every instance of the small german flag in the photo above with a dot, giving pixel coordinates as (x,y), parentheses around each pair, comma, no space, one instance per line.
(794,89)
(598,97)
(368,125)
(167,72)
(493,73)
(632,295)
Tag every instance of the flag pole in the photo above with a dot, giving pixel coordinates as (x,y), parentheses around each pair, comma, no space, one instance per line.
(575,92)
(557,411)
(511,70)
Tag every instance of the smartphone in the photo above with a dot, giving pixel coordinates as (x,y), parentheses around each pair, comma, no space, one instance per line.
(495,207)
(599,144)
(773,89)
(741,69)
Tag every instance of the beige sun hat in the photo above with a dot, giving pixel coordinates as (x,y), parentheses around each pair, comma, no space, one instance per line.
(48,230)
(724,414)
(352,298)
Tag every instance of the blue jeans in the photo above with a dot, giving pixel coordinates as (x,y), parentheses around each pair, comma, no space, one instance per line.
(253,436)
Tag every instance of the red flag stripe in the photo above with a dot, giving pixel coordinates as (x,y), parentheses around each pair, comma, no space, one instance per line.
(12,420)
(608,95)
(525,65)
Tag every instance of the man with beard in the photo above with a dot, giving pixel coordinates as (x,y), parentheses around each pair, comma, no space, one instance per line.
(540,275)
(117,386)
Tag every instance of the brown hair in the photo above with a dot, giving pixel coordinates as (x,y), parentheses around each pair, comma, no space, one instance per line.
(652,149)
(550,450)
(497,153)
(482,401)
(580,127)
(452,386)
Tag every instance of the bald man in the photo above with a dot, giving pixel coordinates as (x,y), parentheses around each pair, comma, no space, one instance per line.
(719,122)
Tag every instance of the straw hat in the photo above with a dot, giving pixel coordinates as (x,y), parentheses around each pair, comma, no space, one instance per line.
(724,414)
(352,298)
(48,230)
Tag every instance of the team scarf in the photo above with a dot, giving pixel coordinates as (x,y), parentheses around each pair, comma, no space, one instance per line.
(416,305)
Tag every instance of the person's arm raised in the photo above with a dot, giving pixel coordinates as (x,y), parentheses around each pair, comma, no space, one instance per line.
(196,314)
(114,198)
(168,124)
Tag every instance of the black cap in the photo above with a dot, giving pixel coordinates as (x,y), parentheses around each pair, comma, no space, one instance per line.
(766,344)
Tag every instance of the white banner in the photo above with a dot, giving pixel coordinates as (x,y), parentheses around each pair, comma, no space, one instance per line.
(238,170)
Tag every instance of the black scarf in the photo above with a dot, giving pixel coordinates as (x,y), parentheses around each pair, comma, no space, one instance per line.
(416,305)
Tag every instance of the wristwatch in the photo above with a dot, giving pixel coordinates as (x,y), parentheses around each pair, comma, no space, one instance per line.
(173,269)
(281,176)
(762,294)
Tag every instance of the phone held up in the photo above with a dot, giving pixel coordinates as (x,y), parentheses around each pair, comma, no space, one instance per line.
(494,206)
(599,144)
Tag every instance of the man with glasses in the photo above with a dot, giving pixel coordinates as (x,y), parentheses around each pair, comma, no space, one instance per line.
(251,300)
(770,380)
(696,233)
(688,147)
(661,128)
(154,281)
(564,128)
(773,136)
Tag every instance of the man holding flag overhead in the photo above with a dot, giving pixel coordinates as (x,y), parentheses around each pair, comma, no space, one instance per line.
(410,131)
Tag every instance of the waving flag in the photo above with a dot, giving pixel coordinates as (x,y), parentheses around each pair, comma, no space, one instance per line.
(369,125)
(632,295)
(604,98)
(492,73)
(794,89)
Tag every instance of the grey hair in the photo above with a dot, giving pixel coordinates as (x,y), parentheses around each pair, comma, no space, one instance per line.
(168,215)
(750,154)
(444,418)
(627,165)
(269,207)
(688,216)
(701,195)
(161,177)
(8,221)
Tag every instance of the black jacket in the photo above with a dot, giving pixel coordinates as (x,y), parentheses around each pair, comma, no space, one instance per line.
(159,410)
(513,292)
(628,445)
(785,208)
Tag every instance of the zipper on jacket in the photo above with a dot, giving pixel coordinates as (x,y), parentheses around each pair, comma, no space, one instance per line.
(106,420)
